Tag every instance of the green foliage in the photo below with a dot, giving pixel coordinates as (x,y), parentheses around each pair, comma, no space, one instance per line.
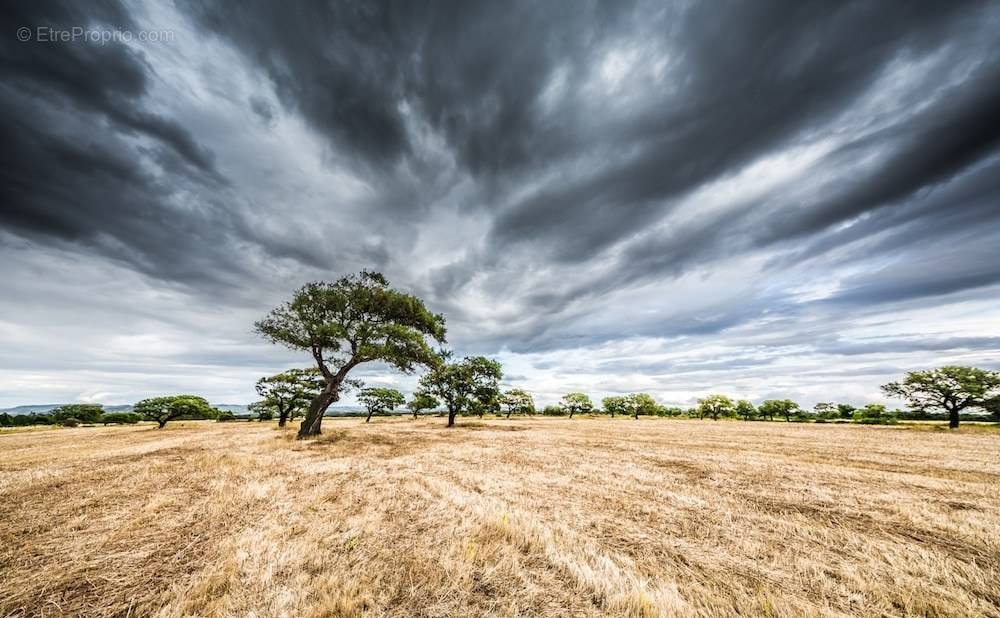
(576,402)
(778,407)
(745,410)
(6,420)
(120,418)
(470,384)
(264,409)
(164,409)
(617,404)
(287,393)
(518,401)
(632,405)
(951,389)
(845,410)
(644,404)
(669,411)
(224,416)
(379,400)
(715,406)
(553,410)
(422,401)
(70,422)
(357,319)
(874,414)
(80,412)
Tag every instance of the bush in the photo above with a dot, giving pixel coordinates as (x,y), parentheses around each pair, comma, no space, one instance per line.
(70,422)
(225,415)
(120,418)
(551,410)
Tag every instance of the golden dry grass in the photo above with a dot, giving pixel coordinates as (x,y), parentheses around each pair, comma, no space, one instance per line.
(536,517)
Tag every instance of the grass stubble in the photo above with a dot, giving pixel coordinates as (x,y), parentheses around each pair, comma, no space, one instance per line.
(527,517)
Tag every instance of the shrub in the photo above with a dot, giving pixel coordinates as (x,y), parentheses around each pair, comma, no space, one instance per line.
(225,415)
(70,422)
(551,410)
(120,418)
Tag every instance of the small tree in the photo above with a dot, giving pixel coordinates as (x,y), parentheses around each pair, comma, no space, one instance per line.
(745,410)
(460,384)
(950,388)
(289,392)
(780,407)
(163,409)
(715,406)
(617,404)
(80,412)
(845,410)
(358,319)
(576,402)
(120,418)
(379,400)
(518,401)
(264,409)
(643,403)
(421,401)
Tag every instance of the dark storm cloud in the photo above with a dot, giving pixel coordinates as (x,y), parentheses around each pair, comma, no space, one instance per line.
(553,143)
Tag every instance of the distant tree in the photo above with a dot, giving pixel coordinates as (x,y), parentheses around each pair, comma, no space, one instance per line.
(518,401)
(459,385)
(225,416)
(845,410)
(120,418)
(824,409)
(873,414)
(379,400)
(70,422)
(488,398)
(745,410)
(779,407)
(643,403)
(576,402)
(264,409)
(617,404)
(164,409)
(289,392)
(715,406)
(5,420)
(950,388)
(421,401)
(81,412)
(553,410)
(358,319)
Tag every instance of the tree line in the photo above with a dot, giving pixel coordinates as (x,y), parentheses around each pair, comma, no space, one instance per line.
(360,319)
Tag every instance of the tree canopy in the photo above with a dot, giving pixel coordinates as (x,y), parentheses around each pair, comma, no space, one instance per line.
(518,401)
(378,400)
(950,388)
(715,406)
(84,412)
(779,407)
(745,410)
(576,402)
(460,385)
(290,391)
(421,401)
(357,319)
(163,409)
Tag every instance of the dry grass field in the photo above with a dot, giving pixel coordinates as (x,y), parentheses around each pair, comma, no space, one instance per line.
(541,517)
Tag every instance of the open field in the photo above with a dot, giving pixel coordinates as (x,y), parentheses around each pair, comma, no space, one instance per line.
(523,517)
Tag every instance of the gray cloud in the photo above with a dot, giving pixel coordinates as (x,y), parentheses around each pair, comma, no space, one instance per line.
(562,180)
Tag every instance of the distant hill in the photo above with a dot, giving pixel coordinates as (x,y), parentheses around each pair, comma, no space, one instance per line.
(42,408)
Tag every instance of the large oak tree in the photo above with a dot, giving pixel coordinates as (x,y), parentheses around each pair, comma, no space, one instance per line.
(358,319)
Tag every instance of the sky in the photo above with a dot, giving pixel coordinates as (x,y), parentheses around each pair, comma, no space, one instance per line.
(764,199)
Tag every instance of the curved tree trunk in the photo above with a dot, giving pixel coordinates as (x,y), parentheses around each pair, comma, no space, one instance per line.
(451,417)
(369,416)
(162,422)
(317,407)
